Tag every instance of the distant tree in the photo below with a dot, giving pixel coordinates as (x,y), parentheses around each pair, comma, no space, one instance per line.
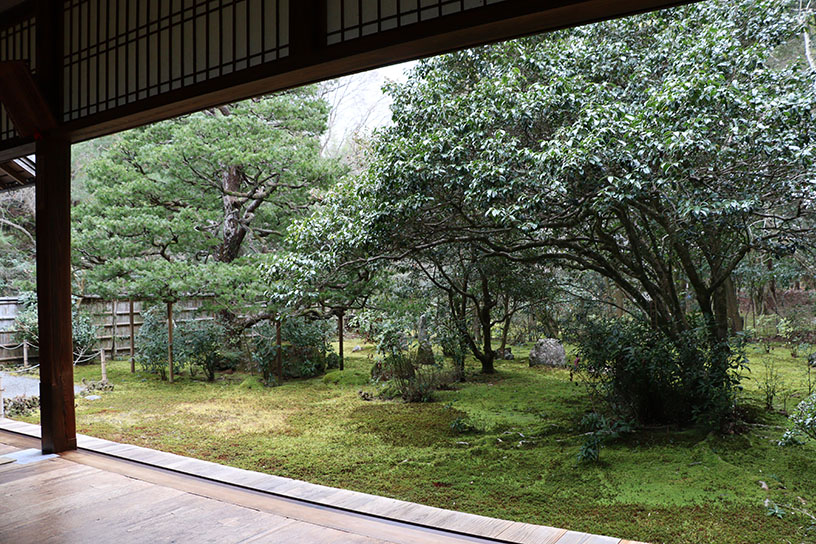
(187,206)
(17,245)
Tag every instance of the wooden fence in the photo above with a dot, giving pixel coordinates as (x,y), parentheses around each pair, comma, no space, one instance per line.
(111,318)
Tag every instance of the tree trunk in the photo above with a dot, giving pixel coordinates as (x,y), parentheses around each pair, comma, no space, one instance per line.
(505,332)
(483,313)
(279,352)
(234,232)
(735,321)
(170,339)
(132,338)
(477,326)
(340,336)
(719,305)
(233,236)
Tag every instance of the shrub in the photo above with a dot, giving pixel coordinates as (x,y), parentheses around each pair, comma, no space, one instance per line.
(332,361)
(21,406)
(399,372)
(265,351)
(305,346)
(454,345)
(645,376)
(395,365)
(803,422)
(151,343)
(770,383)
(84,332)
(598,430)
(204,345)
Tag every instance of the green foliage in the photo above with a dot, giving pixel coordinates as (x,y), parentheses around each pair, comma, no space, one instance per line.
(191,205)
(20,406)
(770,383)
(17,251)
(265,351)
(84,332)
(651,150)
(646,376)
(332,360)
(152,343)
(204,345)
(305,348)
(454,345)
(27,322)
(803,422)
(599,430)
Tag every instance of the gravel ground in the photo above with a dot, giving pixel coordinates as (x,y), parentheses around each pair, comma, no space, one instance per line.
(14,386)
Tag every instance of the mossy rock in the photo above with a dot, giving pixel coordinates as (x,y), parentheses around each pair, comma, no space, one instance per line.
(345,377)
(252,383)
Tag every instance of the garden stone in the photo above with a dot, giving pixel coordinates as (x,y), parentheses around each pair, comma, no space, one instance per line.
(93,397)
(548,352)
(506,354)
(425,354)
(355,349)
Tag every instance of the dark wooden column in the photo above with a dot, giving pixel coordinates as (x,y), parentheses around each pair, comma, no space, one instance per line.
(54,293)
(53,189)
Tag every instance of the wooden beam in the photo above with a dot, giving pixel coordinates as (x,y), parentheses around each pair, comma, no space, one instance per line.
(13,174)
(19,147)
(23,101)
(310,63)
(53,190)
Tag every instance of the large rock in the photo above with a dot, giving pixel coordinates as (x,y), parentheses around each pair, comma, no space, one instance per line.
(548,352)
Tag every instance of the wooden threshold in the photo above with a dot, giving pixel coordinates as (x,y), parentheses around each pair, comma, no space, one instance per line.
(380,518)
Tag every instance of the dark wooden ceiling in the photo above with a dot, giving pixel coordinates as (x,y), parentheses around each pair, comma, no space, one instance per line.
(125,63)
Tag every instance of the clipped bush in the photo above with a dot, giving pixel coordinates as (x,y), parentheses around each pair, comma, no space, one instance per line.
(151,343)
(204,345)
(645,376)
(332,361)
(305,348)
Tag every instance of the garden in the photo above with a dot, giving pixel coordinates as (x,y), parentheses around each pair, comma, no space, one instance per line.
(506,445)
(572,282)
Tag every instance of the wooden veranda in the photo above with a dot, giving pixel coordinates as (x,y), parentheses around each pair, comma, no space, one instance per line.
(117,493)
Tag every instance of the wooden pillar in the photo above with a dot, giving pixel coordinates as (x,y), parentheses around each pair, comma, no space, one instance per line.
(53,190)
(279,352)
(170,339)
(25,354)
(132,340)
(104,364)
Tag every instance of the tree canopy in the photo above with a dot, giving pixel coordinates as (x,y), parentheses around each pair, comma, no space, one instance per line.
(189,206)
(657,151)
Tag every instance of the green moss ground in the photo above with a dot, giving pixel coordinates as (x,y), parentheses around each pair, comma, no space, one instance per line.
(656,485)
